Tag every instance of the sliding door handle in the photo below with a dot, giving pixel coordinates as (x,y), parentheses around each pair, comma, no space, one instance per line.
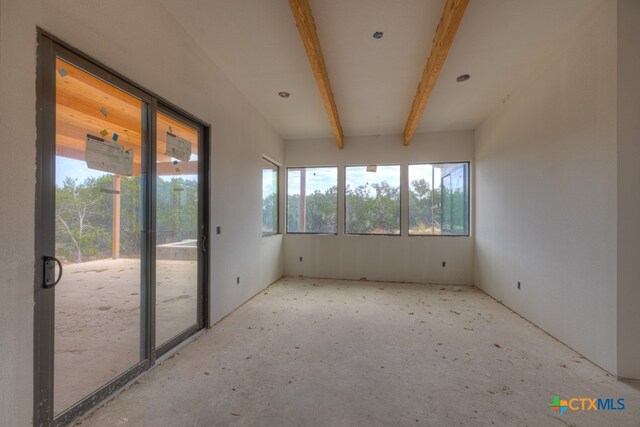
(49,269)
(204,243)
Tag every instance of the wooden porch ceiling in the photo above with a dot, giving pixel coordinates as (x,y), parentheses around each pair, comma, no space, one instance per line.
(81,103)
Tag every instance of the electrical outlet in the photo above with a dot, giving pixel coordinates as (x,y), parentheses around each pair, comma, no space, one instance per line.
(518,285)
(218,230)
(238,280)
(300,259)
(444,263)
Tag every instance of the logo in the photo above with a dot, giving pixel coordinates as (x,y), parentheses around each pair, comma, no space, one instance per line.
(559,405)
(586,404)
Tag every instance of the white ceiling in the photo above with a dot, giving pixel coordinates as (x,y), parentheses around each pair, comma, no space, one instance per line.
(257,45)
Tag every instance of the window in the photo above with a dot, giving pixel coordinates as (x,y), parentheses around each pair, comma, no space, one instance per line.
(439,199)
(269,198)
(372,203)
(312,200)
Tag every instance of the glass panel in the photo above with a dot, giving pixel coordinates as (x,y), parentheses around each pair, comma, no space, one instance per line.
(269,198)
(98,194)
(455,210)
(312,200)
(447,211)
(438,199)
(176,228)
(372,203)
(424,199)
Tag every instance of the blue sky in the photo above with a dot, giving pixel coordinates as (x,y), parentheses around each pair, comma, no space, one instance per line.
(355,176)
(425,172)
(78,170)
(317,179)
(323,178)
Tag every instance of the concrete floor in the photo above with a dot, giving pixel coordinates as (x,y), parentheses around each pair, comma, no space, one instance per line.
(97,320)
(343,353)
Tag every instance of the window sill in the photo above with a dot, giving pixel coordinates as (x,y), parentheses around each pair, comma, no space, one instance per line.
(293,233)
(272,234)
(439,235)
(373,234)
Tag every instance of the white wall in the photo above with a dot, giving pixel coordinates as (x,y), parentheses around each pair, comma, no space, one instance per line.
(390,258)
(628,189)
(143,42)
(546,193)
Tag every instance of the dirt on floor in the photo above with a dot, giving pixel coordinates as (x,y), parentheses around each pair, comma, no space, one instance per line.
(311,352)
(98,321)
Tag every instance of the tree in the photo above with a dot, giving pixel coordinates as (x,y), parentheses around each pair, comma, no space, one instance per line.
(177,210)
(424,207)
(83,217)
(270,214)
(130,215)
(320,211)
(373,208)
(293,213)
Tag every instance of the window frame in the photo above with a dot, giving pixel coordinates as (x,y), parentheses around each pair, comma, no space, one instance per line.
(468,199)
(344,197)
(286,216)
(277,167)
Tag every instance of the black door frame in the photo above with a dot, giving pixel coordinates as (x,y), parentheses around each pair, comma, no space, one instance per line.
(49,48)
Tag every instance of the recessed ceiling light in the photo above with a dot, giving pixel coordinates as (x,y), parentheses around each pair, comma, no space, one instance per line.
(463,78)
(378,35)
(284,94)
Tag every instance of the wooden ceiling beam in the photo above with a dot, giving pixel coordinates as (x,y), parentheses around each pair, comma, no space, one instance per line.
(445,33)
(307,28)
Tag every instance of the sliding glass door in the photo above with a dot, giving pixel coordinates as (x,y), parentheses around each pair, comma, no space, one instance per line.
(177,231)
(99,223)
(121,232)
